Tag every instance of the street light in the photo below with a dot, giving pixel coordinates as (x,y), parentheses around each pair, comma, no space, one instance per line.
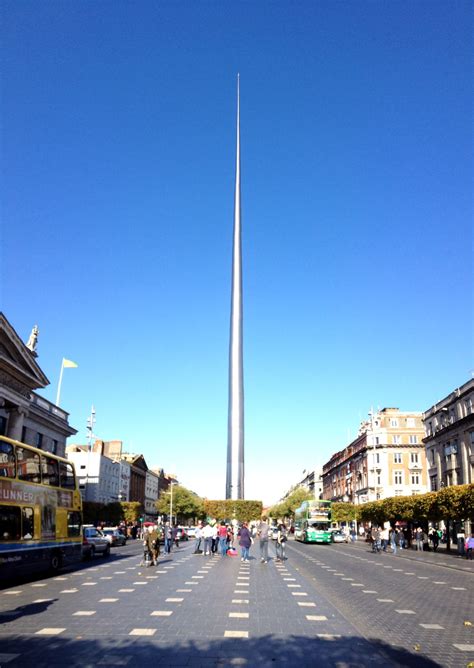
(171,502)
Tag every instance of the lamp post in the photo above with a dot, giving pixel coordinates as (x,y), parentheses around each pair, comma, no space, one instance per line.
(171,503)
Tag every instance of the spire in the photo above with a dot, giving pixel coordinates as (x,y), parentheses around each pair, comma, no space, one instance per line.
(235,436)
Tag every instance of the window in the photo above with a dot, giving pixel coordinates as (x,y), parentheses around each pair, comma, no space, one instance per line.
(28,463)
(397,457)
(54,446)
(28,523)
(399,492)
(413,439)
(73,524)
(398,477)
(377,440)
(396,439)
(468,405)
(66,474)
(434,483)
(10,521)
(7,460)
(50,472)
(378,480)
(414,457)
(411,422)
(38,440)
(432,456)
(430,428)
(3,425)
(377,457)
(415,479)
(394,422)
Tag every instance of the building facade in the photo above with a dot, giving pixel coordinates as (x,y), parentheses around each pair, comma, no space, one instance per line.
(24,414)
(386,459)
(151,494)
(449,440)
(99,476)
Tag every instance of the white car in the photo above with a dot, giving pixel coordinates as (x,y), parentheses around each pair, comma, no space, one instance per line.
(191,531)
(339,537)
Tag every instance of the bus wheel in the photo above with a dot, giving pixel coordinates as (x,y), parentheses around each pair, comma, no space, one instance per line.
(55,563)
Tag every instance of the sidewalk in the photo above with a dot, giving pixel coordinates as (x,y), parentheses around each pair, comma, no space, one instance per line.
(441,557)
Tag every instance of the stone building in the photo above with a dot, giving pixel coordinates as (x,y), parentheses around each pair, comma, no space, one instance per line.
(99,476)
(24,414)
(449,440)
(386,459)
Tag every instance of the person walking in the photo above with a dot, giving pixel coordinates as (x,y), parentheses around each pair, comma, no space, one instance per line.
(152,543)
(262,533)
(168,538)
(198,538)
(393,540)
(208,532)
(376,540)
(280,542)
(469,546)
(245,541)
(433,535)
(222,536)
(384,538)
(419,539)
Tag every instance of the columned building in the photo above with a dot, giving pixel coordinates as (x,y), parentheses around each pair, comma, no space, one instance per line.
(24,414)
(449,439)
(386,459)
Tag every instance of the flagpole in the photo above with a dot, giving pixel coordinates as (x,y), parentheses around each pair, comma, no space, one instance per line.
(59,384)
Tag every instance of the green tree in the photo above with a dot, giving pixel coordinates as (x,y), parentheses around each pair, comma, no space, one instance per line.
(186,504)
(132,510)
(343,512)
(286,509)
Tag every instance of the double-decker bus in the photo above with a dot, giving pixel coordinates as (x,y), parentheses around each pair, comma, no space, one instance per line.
(40,510)
(313,522)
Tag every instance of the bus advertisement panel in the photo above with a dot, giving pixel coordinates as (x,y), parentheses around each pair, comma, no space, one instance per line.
(313,522)
(40,510)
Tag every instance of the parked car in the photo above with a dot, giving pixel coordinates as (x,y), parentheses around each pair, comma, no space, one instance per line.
(191,531)
(181,533)
(339,537)
(94,542)
(114,536)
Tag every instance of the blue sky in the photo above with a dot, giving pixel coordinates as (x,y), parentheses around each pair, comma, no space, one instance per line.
(118,166)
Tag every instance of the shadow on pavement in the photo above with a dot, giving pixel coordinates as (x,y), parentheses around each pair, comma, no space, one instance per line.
(261,652)
(23,610)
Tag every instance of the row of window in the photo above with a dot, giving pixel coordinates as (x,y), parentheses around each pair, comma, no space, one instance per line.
(397,439)
(19,523)
(24,464)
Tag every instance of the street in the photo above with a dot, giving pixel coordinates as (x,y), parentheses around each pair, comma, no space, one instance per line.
(327,605)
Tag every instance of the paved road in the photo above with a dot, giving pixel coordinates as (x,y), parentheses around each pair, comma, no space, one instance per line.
(333,605)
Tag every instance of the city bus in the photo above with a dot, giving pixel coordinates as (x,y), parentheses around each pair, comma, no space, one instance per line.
(40,510)
(313,522)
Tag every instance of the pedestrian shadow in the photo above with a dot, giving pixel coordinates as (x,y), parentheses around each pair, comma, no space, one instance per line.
(25,610)
(303,651)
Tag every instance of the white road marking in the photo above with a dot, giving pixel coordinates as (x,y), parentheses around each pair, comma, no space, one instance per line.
(84,613)
(48,631)
(108,600)
(161,613)
(236,634)
(239,615)
(464,647)
(316,618)
(142,632)
(431,626)
(306,604)
(406,612)
(174,600)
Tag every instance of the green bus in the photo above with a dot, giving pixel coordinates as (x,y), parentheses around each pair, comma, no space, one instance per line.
(313,522)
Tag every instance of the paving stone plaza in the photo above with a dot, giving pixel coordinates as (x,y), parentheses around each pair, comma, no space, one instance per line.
(336,605)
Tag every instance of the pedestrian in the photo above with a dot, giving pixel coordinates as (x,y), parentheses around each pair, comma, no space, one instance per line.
(176,535)
(419,539)
(168,538)
(282,536)
(353,534)
(245,541)
(152,543)
(393,540)
(207,534)
(469,546)
(433,536)
(262,533)
(222,536)
(426,542)
(198,538)
(230,537)
(401,538)
(384,538)
(376,540)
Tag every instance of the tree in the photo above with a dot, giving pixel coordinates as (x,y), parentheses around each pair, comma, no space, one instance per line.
(343,512)
(186,504)
(131,511)
(287,507)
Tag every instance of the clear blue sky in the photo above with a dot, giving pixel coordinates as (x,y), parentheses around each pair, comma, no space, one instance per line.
(118,166)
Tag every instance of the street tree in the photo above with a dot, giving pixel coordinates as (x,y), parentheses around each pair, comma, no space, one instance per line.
(186,504)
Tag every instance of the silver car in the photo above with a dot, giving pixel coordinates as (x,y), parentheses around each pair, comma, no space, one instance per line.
(94,542)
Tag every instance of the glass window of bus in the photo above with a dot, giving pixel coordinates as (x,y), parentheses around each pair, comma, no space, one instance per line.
(10,523)
(67,475)
(28,523)
(49,470)
(74,521)
(7,460)
(28,463)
